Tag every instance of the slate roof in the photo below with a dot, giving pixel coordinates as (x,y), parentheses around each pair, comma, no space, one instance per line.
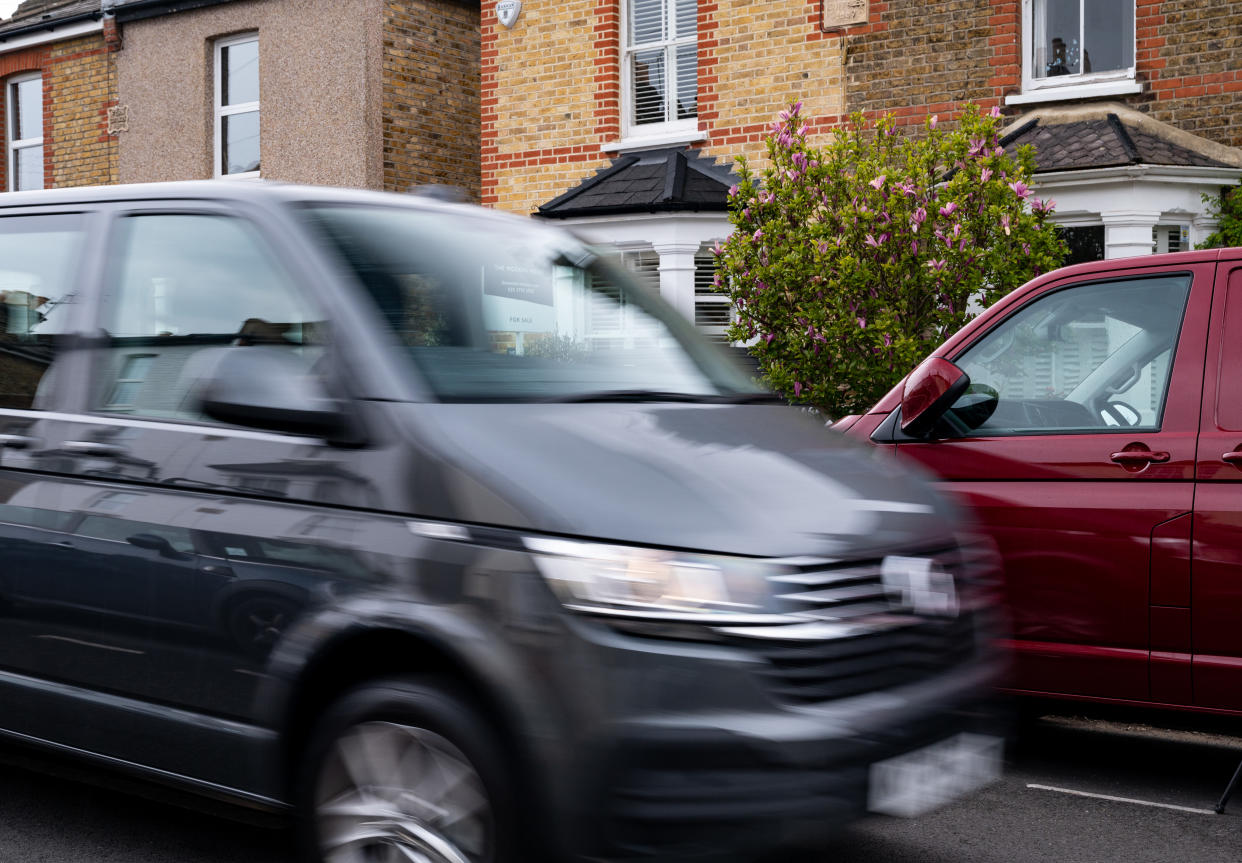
(653,181)
(1103,142)
(34,15)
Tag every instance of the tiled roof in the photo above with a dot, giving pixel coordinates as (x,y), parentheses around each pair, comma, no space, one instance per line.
(1102,142)
(667,180)
(44,13)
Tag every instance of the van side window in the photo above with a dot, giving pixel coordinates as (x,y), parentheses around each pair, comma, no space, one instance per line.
(186,289)
(39,259)
(1088,358)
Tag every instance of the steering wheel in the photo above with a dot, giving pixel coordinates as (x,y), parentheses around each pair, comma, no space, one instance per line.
(1125,415)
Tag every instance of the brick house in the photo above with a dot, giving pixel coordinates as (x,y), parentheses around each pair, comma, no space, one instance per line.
(622,118)
(56,89)
(380,94)
(1134,107)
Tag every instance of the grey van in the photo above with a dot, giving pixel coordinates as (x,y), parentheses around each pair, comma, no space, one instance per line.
(424,525)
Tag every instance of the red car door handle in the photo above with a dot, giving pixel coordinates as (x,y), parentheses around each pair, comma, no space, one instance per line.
(1139,456)
(1234,457)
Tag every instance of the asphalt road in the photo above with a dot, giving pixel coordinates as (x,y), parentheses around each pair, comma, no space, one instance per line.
(1145,760)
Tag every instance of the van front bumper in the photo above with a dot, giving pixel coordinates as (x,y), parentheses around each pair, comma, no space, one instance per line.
(733,786)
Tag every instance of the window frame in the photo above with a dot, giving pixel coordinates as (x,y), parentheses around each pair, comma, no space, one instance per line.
(669,131)
(1075,86)
(961,357)
(12,144)
(221,110)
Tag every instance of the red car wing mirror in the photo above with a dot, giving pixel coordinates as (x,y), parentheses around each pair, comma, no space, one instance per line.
(929,391)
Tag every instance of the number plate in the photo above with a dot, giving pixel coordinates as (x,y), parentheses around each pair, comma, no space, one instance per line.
(917,782)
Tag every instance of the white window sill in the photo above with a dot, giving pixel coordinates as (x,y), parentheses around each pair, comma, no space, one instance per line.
(1085,90)
(648,142)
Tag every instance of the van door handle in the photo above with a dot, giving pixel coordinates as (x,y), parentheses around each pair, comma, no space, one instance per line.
(1233,458)
(15,441)
(92,447)
(1140,456)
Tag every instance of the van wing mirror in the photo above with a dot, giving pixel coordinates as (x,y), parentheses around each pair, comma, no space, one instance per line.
(265,388)
(930,390)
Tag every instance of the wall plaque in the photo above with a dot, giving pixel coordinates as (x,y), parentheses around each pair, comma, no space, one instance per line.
(843,13)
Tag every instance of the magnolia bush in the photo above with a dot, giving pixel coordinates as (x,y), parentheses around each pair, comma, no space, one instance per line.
(849,262)
(1226,209)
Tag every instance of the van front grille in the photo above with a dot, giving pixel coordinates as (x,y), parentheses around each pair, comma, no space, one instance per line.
(855,633)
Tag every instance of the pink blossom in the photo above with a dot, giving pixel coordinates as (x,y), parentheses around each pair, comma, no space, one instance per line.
(733,190)
(918,217)
(935,118)
(797,388)
(878,182)
(937,265)
(888,340)
(1020,188)
(872,241)
(1005,224)
(907,188)
(862,323)
(757,235)
(948,209)
(914,247)
(769,338)
(995,112)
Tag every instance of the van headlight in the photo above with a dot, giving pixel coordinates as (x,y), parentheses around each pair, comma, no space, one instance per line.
(653,584)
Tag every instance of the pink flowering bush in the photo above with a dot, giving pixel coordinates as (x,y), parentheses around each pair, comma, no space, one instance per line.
(850,262)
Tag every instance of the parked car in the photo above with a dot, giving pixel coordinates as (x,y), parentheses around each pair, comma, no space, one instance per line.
(421,522)
(1093,421)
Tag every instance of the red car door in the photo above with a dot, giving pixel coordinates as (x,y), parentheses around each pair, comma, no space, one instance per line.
(1084,471)
(1216,596)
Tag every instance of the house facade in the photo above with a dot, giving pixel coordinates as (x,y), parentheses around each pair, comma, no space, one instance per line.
(377,94)
(622,118)
(1134,108)
(56,92)
(380,94)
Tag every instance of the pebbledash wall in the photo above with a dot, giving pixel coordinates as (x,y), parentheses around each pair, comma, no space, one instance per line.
(551,107)
(368,93)
(78,90)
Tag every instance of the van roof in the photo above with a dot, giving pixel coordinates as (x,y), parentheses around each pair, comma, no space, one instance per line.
(226,190)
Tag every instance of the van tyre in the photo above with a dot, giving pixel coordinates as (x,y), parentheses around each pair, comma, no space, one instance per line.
(405,771)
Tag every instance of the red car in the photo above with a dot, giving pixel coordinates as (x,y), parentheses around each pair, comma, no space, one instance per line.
(1093,421)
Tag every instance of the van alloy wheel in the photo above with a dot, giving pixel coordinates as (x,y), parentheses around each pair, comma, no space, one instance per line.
(395,793)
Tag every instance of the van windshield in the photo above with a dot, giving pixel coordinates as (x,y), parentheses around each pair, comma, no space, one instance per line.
(492,310)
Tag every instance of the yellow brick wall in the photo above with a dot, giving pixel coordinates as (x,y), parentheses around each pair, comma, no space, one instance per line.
(770,54)
(548,108)
(79,84)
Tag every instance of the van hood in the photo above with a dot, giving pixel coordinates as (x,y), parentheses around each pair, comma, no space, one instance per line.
(765,480)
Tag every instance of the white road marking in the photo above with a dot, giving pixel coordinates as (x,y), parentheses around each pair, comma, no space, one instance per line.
(91,644)
(1122,799)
